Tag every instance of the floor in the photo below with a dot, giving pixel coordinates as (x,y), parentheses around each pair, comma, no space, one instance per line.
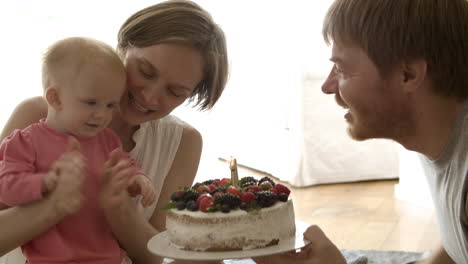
(365,215)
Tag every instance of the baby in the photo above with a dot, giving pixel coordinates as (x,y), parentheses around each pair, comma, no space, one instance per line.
(83,81)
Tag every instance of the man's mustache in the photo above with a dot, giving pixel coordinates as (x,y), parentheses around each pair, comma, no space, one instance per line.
(340,101)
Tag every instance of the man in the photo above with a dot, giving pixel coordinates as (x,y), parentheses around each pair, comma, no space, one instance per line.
(401,71)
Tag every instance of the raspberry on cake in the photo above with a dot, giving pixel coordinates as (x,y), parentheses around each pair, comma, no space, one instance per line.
(217,216)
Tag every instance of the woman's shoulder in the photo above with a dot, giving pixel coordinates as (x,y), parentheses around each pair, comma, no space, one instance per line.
(35,104)
(27,112)
(172,120)
(173,124)
(168,133)
(188,131)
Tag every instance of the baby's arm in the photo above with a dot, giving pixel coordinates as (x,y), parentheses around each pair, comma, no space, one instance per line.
(20,183)
(139,182)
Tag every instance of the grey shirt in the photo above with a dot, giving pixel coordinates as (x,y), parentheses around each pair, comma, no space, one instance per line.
(447,182)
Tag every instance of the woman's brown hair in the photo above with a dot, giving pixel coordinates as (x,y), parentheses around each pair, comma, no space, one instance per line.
(185,22)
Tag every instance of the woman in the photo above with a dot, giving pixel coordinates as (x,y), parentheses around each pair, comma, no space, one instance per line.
(173,51)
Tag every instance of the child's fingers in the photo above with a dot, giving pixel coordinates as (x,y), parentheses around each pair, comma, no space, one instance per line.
(149,195)
(121,180)
(115,156)
(110,172)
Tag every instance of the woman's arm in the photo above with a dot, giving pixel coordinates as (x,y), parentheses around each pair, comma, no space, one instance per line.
(182,172)
(26,113)
(130,227)
(20,224)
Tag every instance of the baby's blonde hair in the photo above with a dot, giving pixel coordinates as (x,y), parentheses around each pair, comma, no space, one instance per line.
(64,60)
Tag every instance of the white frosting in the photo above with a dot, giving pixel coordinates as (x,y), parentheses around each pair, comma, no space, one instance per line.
(233,230)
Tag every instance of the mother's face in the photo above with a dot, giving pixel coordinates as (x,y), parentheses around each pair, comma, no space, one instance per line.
(159,78)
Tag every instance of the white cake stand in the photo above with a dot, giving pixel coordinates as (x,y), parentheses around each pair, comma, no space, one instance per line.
(161,246)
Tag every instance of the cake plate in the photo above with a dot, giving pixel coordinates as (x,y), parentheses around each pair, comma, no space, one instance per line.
(161,246)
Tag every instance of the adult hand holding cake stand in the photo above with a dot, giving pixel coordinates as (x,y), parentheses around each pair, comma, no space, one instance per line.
(320,250)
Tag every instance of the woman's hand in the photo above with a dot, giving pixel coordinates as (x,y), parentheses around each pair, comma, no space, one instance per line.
(320,250)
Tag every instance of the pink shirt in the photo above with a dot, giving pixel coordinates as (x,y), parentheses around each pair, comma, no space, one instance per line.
(25,157)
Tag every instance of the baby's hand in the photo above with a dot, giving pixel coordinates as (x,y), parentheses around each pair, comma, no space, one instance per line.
(70,163)
(49,182)
(142,185)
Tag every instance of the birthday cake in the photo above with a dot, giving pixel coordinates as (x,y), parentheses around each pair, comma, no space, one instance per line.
(216,215)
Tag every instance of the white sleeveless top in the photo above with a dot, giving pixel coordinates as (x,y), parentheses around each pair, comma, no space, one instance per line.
(157,142)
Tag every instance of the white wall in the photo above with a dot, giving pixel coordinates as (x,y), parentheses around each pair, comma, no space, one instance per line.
(270,44)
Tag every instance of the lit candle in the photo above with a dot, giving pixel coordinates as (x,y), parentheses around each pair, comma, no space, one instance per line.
(234,175)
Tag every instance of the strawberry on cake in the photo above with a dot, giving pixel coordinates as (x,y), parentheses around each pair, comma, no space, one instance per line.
(217,216)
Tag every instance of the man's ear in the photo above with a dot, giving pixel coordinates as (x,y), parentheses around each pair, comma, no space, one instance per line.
(53,99)
(414,73)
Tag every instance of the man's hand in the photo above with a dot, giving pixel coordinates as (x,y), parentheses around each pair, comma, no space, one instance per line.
(439,256)
(320,250)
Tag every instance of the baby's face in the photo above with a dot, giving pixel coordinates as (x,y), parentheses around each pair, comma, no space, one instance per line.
(88,103)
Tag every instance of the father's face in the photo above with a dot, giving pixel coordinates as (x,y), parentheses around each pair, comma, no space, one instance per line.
(376,107)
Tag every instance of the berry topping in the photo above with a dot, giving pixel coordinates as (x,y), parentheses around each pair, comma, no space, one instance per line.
(233,201)
(282,189)
(180,205)
(206,204)
(224,181)
(253,189)
(247,181)
(265,186)
(243,206)
(283,197)
(177,196)
(192,206)
(189,195)
(218,189)
(208,182)
(266,198)
(247,197)
(234,190)
(268,179)
(219,195)
(273,190)
(225,208)
(203,197)
(203,188)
